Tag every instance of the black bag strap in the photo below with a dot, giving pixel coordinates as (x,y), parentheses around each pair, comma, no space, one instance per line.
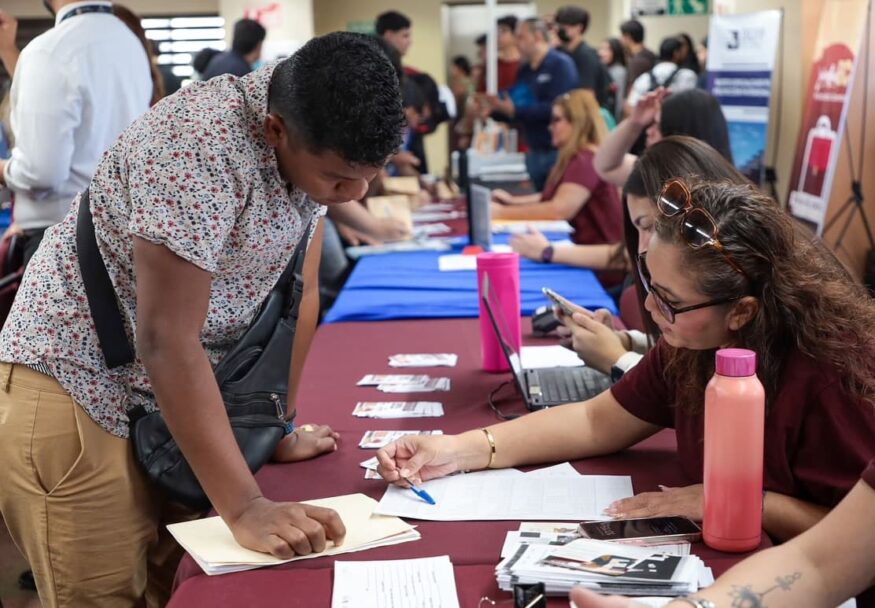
(102,301)
(654,83)
(104,305)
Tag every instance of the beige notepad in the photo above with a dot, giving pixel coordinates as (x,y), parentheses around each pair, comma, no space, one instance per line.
(210,542)
(401,185)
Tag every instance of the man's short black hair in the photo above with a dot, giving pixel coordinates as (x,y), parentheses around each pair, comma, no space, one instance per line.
(668,48)
(391,21)
(248,34)
(340,93)
(634,29)
(480,40)
(508,21)
(572,15)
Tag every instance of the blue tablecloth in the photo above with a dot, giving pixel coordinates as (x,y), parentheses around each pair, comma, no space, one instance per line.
(410,286)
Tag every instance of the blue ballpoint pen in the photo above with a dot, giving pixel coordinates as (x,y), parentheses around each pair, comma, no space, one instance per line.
(420,492)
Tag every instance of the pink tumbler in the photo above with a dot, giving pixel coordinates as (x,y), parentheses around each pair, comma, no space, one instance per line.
(733,475)
(503,270)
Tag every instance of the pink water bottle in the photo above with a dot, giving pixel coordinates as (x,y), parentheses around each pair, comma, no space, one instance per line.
(503,271)
(734,420)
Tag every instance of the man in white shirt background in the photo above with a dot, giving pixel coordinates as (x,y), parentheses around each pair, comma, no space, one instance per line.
(75,88)
(666,73)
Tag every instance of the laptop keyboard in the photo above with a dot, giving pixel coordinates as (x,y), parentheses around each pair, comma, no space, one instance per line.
(563,385)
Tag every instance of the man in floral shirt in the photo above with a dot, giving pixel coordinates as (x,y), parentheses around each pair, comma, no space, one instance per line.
(197,209)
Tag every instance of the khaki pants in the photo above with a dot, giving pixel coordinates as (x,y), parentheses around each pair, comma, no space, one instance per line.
(76,504)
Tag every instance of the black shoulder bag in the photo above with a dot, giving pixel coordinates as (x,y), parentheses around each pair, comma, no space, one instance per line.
(252,376)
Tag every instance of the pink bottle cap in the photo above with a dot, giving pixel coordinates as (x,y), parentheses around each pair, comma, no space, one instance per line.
(736,362)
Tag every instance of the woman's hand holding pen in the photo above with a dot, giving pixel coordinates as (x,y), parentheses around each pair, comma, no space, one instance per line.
(420,458)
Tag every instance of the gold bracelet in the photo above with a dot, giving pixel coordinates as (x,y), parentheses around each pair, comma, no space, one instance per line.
(491,441)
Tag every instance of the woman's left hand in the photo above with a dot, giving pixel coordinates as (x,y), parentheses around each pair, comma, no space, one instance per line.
(307,441)
(529,245)
(684,502)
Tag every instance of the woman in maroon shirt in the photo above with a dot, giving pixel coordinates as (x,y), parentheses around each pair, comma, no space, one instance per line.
(574,191)
(770,288)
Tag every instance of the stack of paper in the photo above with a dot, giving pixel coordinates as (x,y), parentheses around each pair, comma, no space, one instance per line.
(210,542)
(562,533)
(540,357)
(424,360)
(398,409)
(377,439)
(522,226)
(603,567)
(400,383)
(403,583)
(556,493)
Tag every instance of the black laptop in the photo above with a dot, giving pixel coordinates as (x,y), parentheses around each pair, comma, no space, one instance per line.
(540,388)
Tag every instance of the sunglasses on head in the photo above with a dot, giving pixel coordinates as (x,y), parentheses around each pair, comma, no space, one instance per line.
(698,227)
(665,309)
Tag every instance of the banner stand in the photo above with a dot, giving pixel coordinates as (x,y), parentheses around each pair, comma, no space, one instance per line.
(854,203)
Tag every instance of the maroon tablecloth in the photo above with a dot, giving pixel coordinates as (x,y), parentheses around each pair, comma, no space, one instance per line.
(341,354)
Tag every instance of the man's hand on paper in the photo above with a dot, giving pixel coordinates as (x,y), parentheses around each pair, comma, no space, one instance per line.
(286,529)
(392,229)
(583,598)
(308,441)
(418,458)
(684,502)
(593,338)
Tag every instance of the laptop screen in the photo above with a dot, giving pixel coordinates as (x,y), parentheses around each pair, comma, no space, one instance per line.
(499,324)
(479,211)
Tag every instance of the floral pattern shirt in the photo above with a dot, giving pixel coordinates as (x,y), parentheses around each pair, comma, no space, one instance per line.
(196,175)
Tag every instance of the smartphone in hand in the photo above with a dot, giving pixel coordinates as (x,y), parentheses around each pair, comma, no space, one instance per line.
(560,302)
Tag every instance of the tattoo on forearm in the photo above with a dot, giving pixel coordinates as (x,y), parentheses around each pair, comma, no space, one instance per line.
(746,597)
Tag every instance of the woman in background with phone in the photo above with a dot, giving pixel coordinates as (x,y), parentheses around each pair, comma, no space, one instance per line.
(820,568)
(593,337)
(737,273)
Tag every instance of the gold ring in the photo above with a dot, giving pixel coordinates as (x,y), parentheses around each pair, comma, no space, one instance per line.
(307,428)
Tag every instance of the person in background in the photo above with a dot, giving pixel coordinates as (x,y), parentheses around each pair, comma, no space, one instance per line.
(689,54)
(668,73)
(640,59)
(571,25)
(460,79)
(702,54)
(574,191)
(508,55)
(202,59)
(131,20)
(613,58)
(396,29)
(245,53)
(8,50)
(820,568)
(68,108)
(545,75)
(749,277)
(693,112)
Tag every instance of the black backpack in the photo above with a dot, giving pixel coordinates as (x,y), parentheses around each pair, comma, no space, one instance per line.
(655,84)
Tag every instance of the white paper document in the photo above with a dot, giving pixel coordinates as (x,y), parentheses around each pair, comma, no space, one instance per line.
(398,409)
(509,494)
(403,583)
(424,360)
(540,357)
(210,542)
(374,440)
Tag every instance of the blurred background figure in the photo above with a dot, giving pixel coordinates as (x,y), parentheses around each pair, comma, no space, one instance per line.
(245,53)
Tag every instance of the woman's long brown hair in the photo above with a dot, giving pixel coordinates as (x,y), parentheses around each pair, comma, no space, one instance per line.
(580,108)
(807,300)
